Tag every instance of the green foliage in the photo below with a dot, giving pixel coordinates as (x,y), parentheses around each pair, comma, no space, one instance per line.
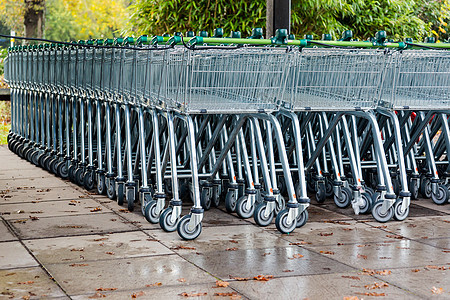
(3,54)
(167,16)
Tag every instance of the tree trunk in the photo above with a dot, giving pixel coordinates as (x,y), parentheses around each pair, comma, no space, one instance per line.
(34,18)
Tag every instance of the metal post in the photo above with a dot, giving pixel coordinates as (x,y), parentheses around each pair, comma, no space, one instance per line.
(278,16)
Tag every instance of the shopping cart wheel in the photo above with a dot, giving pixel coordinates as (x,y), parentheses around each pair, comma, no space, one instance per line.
(53,166)
(442,195)
(396,185)
(120,193)
(259,217)
(367,203)
(328,187)
(63,171)
(302,218)
(111,189)
(281,204)
(101,185)
(165,220)
(398,214)
(369,191)
(379,215)
(345,198)
(425,187)
(241,208)
(71,172)
(215,201)
(205,198)
(414,188)
(150,212)
(281,222)
(89,180)
(35,157)
(131,195)
(230,201)
(183,229)
(320,193)
(79,176)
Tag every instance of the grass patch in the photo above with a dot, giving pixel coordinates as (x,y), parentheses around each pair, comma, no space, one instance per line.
(5,121)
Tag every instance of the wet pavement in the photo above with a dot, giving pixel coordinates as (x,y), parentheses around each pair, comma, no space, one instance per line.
(58,241)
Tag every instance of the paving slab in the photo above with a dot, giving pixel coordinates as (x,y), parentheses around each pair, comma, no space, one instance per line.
(95,247)
(24,195)
(274,261)
(5,234)
(429,204)
(14,255)
(93,223)
(12,174)
(392,253)
(203,291)
(441,243)
(40,183)
(28,282)
(323,286)
(212,239)
(127,274)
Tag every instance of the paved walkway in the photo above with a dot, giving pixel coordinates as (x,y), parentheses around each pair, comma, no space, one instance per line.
(58,241)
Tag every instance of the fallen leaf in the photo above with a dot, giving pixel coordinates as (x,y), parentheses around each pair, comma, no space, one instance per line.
(263,277)
(351,298)
(70,226)
(110,253)
(96,209)
(347,229)
(415,270)
(424,237)
(381,226)
(436,267)
(75,249)
(20,221)
(124,210)
(183,247)
(229,294)
(362,256)
(385,257)
(394,236)
(325,233)
(446,251)
(36,212)
(363,246)
(384,272)
(376,285)
(338,222)
(78,265)
(231,249)
(181,280)
(436,290)
(372,294)
(101,289)
(233,241)
(100,239)
(220,283)
(138,294)
(372,272)
(296,256)
(240,278)
(287,271)
(26,282)
(26,297)
(267,253)
(300,243)
(351,277)
(193,294)
(327,252)
(10,274)
(154,284)
(412,225)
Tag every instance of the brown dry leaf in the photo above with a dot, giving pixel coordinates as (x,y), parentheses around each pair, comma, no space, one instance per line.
(325,233)
(233,241)
(381,226)
(373,294)
(363,246)
(110,253)
(138,294)
(415,270)
(193,294)
(263,277)
(96,209)
(26,282)
(100,239)
(362,256)
(36,212)
(26,297)
(412,225)
(181,280)
(446,251)
(337,222)
(436,267)
(220,283)
(10,274)
(424,237)
(436,290)
(351,298)
(394,236)
(231,249)
(376,285)
(78,265)
(385,257)
(101,289)
(183,247)
(239,278)
(296,256)
(74,201)
(327,252)
(265,254)
(300,243)
(124,210)
(20,221)
(351,277)
(347,229)
(229,294)
(154,284)
(384,272)
(287,271)
(75,249)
